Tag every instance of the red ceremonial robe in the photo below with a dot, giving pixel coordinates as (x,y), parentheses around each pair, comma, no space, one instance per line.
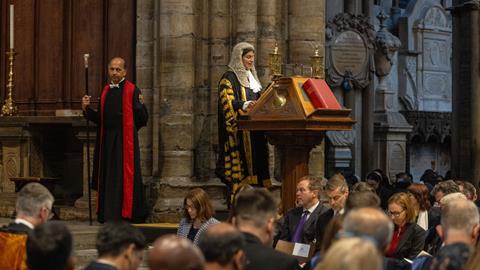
(117,156)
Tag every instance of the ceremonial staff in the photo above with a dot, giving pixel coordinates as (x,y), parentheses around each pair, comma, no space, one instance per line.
(85,58)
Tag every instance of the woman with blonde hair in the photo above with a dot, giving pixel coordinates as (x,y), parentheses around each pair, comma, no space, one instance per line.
(408,237)
(197,216)
(352,254)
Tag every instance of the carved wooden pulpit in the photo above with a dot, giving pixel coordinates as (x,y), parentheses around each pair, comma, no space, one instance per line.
(293,124)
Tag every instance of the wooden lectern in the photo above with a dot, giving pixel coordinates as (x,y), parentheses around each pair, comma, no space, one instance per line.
(291,122)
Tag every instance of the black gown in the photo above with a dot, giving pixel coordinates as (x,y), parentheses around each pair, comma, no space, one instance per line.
(110,171)
(243,155)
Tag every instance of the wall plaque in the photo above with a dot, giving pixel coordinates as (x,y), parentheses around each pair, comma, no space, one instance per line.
(349,50)
(349,53)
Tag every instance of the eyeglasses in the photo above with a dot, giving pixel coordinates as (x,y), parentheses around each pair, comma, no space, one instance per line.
(395,214)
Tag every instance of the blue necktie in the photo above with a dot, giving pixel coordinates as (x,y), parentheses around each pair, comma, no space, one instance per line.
(297,236)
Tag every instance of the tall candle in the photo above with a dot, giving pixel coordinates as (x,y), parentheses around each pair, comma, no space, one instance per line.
(11,26)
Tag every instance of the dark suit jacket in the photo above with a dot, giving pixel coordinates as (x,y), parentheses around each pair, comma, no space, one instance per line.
(16,228)
(322,223)
(411,242)
(261,257)
(291,220)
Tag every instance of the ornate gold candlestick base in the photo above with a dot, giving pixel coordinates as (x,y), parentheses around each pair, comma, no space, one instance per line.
(9,108)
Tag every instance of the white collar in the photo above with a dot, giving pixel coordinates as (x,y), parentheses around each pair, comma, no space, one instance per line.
(24,222)
(311,209)
(254,85)
(112,84)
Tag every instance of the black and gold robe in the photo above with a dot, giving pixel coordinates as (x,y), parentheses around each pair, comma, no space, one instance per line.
(243,155)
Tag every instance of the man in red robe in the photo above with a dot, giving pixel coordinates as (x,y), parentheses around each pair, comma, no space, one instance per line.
(116,171)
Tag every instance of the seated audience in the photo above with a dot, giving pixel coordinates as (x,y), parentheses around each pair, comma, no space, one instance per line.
(223,247)
(408,238)
(352,254)
(421,194)
(49,246)
(120,246)
(299,223)
(337,192)
(255,216)
(459,231)
(198,215)
(171,252)
(33,207)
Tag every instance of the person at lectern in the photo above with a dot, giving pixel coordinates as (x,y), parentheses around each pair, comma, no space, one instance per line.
(116,170)
(243,155)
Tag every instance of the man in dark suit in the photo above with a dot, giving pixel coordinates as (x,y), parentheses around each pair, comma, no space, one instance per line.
(254,214)
(337,193)
(33,207)
(300,222)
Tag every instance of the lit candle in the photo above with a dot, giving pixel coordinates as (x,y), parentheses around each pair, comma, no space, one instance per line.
(11,26)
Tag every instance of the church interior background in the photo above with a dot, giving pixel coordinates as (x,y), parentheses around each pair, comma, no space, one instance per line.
(176,52)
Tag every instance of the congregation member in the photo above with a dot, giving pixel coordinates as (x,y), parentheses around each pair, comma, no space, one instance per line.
(300,223)
(408,237)
(117,172)
(373,224)
(171,252)
(50,246)
(197,215)
(353,254)
(459,231)
(119,246)
(444,188)
(380,182)
(337,192)
(426,215)
(468,189)
(33,207)
(255,213)
(223,247)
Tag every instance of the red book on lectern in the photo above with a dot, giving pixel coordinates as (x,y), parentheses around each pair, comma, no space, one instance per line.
(320,94)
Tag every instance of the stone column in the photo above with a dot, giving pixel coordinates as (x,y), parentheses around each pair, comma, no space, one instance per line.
(269,32)
(245,16)
(466,92)
(174,81)
(144,80)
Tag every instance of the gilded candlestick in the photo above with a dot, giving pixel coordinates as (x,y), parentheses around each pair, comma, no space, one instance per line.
(9,108)
(275,63)
(317,64)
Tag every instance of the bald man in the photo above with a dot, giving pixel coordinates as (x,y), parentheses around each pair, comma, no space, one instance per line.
(116,170)
(170,252)
(223,247)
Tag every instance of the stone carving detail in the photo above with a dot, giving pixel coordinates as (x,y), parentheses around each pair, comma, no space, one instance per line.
(349,50)
(436,84)
(436,18)
(429,126)
(436,53)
